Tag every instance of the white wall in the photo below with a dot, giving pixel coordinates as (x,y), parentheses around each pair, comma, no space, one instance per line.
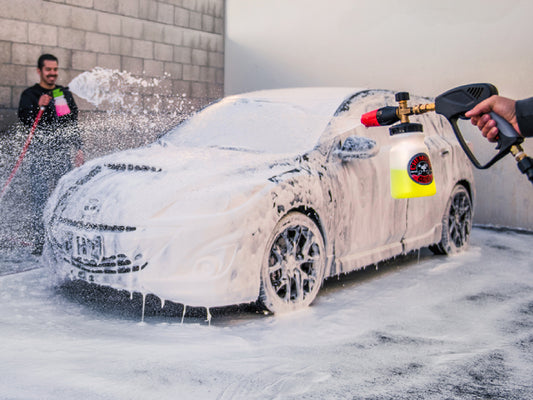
(418,46)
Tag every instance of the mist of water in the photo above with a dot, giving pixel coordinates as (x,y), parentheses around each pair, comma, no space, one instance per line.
(117,111)
(126,111)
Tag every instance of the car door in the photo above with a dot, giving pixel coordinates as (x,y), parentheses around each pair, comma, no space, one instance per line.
(369,224)
(424,214)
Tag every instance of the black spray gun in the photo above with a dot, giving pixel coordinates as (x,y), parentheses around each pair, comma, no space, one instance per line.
(453,105)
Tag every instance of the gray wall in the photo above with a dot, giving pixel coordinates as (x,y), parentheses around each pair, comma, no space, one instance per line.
(418,46)
(183,38)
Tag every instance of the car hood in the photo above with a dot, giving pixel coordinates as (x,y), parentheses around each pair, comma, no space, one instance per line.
(163,182)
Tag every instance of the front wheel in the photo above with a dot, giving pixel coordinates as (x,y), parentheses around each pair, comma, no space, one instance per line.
(293,265)
(456,224)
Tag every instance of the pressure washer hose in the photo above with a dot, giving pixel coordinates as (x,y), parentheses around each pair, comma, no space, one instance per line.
(23,153)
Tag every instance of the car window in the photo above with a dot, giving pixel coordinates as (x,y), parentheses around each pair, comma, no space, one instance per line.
(251,125)
(348,119)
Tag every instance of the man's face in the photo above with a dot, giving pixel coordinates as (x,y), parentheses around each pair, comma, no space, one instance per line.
(48,74)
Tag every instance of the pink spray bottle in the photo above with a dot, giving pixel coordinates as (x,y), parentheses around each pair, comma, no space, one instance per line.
(62,107)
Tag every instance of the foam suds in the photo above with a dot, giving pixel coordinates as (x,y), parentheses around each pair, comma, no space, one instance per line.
(427,330)
(208,320)
(136,110)
(143,306)
(218,167)
(183,315)
(102,87)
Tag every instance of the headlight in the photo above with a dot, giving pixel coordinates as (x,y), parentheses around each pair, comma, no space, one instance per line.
(216,262)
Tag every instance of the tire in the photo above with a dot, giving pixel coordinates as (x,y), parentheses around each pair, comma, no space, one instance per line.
(456,224)
(293,265)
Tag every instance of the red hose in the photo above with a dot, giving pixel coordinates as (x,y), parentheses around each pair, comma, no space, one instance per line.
(23,153)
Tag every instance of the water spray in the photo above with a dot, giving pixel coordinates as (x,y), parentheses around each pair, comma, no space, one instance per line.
(23,153)
(453,105)
(128,111)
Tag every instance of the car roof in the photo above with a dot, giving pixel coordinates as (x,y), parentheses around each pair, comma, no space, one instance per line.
(316,100)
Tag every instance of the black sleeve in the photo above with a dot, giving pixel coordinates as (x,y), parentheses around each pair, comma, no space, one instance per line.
(28,107)
(524,116)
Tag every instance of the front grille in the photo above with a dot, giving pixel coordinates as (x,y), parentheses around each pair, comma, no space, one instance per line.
(86,250)
(132,167)
(116,264)
(96,227)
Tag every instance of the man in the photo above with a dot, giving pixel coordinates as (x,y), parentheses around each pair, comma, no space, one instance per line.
(56,138)
(518,113)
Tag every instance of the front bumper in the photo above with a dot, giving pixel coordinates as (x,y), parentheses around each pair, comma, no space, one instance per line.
(192,265)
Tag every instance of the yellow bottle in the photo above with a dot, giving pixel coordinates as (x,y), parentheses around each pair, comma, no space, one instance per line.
(411,174)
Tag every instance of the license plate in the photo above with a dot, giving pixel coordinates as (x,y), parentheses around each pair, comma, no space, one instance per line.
(88,248)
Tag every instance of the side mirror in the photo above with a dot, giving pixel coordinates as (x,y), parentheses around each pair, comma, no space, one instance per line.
(357,147)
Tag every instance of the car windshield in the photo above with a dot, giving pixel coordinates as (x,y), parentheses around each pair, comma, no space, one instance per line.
(252,125)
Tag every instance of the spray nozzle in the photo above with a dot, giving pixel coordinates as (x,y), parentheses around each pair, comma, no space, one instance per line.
(57,92)
(381,117)
(389,115)
(453,105)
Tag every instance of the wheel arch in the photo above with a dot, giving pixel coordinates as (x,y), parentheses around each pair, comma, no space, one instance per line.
(470,189)
(313,215)
(443,247)
(468,186)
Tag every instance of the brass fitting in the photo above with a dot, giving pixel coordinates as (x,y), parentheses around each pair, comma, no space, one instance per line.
(518,152)
(403,111)
(423,108)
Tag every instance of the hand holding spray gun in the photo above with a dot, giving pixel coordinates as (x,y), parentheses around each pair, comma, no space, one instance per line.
(456,104)
(480,116)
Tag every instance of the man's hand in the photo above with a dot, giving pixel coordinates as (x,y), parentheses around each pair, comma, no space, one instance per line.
(44,100)
(480,115)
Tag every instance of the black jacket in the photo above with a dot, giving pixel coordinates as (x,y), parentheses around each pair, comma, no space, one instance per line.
(62,130)
(524,116)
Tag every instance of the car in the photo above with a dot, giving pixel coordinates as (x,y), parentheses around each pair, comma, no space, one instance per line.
(257,197)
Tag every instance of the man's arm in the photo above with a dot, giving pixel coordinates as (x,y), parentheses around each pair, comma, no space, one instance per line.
(28,108)
(524,116)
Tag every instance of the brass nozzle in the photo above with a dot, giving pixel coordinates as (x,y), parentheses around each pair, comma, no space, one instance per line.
(404,111)
(423,108)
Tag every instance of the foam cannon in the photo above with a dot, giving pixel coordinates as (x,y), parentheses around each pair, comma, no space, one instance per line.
(453,105)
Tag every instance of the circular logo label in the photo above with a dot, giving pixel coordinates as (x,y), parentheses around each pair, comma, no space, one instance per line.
(419,169)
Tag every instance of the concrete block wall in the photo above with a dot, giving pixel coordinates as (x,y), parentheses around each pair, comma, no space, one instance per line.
(181,39)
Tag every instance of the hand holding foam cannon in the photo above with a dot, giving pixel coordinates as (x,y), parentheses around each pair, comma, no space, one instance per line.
(453,105)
